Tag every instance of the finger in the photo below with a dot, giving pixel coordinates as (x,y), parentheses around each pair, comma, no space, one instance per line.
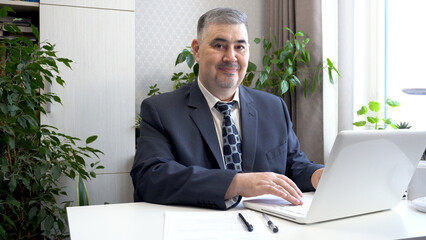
(292,195)
(279,191)
(292,185)
(276,190)
(289,188)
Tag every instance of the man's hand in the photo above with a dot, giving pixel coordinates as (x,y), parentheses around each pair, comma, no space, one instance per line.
(316,176)
(255,184)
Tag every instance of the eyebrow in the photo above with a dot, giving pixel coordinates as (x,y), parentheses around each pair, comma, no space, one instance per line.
(224,40)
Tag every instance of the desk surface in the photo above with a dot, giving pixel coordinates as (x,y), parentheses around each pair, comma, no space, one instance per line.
(146,221)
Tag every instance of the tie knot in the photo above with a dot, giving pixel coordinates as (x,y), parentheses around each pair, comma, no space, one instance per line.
(225,108)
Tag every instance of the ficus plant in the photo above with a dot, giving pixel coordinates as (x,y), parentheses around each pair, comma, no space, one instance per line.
(33,156)
(373,115)
(281,66)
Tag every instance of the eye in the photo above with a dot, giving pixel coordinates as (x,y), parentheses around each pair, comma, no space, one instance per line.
(241,48)
(219,46)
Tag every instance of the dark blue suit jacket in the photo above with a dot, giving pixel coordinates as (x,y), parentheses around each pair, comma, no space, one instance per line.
(179,161)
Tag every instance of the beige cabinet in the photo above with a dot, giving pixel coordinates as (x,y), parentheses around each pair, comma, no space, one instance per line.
(99,95)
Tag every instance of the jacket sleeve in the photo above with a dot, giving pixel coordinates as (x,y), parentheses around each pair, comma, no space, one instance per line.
(299,167)
(159,177)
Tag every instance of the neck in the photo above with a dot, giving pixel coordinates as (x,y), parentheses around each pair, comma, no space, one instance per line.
(223,94)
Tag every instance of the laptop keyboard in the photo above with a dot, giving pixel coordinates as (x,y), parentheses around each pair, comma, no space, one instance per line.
(298,209)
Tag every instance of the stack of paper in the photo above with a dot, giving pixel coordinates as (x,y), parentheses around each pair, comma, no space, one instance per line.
(214,225)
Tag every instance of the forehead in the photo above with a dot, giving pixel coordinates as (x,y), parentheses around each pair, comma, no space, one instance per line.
(230,32)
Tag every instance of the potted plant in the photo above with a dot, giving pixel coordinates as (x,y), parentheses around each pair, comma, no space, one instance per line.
(281,66)
(33,156)
(374,116)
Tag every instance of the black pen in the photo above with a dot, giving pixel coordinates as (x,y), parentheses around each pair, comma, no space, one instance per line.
(248,225)
(270,224)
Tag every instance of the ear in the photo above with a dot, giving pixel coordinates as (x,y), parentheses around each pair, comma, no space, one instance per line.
(196,49)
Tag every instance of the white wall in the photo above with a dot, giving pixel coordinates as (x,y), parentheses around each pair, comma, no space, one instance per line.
(165,27)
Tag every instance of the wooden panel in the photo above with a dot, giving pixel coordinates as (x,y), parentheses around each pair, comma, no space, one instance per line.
(110,4)
(100,92)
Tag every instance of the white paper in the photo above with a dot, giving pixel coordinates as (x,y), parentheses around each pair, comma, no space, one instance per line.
(210,225)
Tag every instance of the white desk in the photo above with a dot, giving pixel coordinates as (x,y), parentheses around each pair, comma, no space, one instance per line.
(146,221)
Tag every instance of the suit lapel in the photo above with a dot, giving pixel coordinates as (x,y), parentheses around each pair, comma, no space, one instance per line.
(202,117)
(249,129)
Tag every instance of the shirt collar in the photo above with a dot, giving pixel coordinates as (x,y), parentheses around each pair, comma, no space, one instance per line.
(212,100)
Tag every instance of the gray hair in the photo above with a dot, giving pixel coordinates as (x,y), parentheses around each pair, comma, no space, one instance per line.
(220,16)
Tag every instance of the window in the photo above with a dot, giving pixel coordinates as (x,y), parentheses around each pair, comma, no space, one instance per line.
(404,57)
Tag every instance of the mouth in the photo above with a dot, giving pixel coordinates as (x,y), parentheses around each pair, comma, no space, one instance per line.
(228,68)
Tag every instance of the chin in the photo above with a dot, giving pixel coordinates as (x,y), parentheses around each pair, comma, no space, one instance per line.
(227,82)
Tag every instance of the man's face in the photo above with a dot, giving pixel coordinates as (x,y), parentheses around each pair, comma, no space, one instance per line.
(222,53)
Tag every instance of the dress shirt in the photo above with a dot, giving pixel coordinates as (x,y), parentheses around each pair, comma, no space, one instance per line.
(218,116)
(218,121)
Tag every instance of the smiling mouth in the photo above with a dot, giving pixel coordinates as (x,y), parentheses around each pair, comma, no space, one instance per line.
(228,68)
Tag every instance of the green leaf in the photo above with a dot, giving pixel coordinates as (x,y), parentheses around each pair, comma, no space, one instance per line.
(288,29)
(296,81)
(181,57)
(80,160)
(65,61)
(82,194)
(330,76)
(263,77)
(362,111)
(5,10)
(266,59)
(299,34)
(9,220)
(306,41)
(374,106)
(284,86)
(35,31)
(56,171)
(392,103)
(387,121)
(257,40)
(268,69)
(48,224)
(266,44)
(2,232)
(296,43)
(11,142)
(14,202)
(22,122)
(32,213)
(372,120)
(195,68)
(276,61)
(190,60)
(360,123)
(91,139)
(72,174)
(251,67)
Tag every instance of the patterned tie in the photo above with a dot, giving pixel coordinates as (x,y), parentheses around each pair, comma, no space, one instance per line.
(231,138)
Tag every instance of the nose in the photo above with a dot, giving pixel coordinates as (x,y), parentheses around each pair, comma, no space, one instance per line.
(230,55)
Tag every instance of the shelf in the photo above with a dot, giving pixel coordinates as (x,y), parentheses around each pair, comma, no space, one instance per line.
(21,6)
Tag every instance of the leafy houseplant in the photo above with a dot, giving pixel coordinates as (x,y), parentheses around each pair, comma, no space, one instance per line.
(373,115)
(280,66)
(33,156)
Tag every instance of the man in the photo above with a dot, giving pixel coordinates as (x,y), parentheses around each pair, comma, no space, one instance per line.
(179,159)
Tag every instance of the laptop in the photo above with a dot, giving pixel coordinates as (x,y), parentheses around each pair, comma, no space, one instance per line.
(367,171)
